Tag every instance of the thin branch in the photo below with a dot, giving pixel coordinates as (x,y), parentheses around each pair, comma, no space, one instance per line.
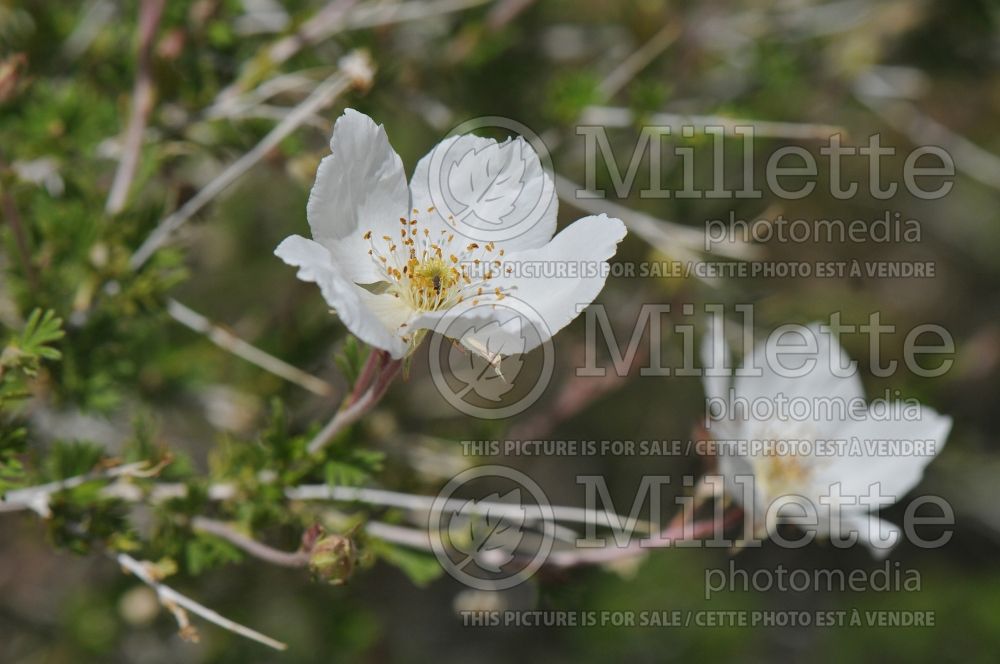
(366,375)
(158,492)
(95,16)
(274,113)
(630,67)
(171,599)
(668,236)
(411,537)
(418,503)
(241,105)
(162,491)
(415,538)
(340,16)
(9,209)
(505,11)
(323,23)
(373,14)
(143,95)
(356,407)
(228,341)
(679,530)
(248,544)
(613,116)
(323,96)
(36,498)
(906,118)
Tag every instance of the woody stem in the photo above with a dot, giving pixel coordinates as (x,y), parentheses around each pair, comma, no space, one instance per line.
(376,376)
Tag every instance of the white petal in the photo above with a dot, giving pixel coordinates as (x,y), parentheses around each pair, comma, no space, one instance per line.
(366,315)
(555,301)
(361,186)
(738,476)
(820,383)
(879,535)
(896,475)
(714,356)
(493,191)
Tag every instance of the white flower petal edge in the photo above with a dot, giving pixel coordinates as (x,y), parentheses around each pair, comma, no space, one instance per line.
(391,266)
(357,308)
(526,182)
(879,535)
(858,473)
(360,185)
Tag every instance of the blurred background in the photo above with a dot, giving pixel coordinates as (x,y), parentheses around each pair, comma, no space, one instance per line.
(202,83)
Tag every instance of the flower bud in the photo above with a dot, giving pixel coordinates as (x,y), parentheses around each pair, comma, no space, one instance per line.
(332,558)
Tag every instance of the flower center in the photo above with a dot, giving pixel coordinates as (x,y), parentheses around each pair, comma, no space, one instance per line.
(786,469)
(433,271)
(781,475)
(433,275)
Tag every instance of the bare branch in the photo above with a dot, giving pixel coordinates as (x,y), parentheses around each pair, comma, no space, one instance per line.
(418,503)
(159,492)
(143,95)
(678,530)
(228,341)
(630,67)
(36,498)
(356,406)
(339,16)
(415,538)
(171,599)
(243,105)
(505,11)
(321,97)
(9,209)
(612,116)
(668,236)
(248,544)
(905,117)
(162,491)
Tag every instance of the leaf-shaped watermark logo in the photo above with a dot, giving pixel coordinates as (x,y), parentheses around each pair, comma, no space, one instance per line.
(489,191)
(477,356)
(488,181)
(488,372)
(495,542)
(483,535)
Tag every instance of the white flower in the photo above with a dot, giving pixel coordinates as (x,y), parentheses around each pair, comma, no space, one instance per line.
(831,448)
(392,266)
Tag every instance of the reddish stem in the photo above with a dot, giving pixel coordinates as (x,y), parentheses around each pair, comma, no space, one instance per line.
(379,372)
(678,530)
(368,371)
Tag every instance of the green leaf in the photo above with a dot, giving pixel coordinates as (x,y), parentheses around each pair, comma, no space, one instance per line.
(71,458)
(420,567)
(337,473)
(40,330)
(351,358)
(204,552)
